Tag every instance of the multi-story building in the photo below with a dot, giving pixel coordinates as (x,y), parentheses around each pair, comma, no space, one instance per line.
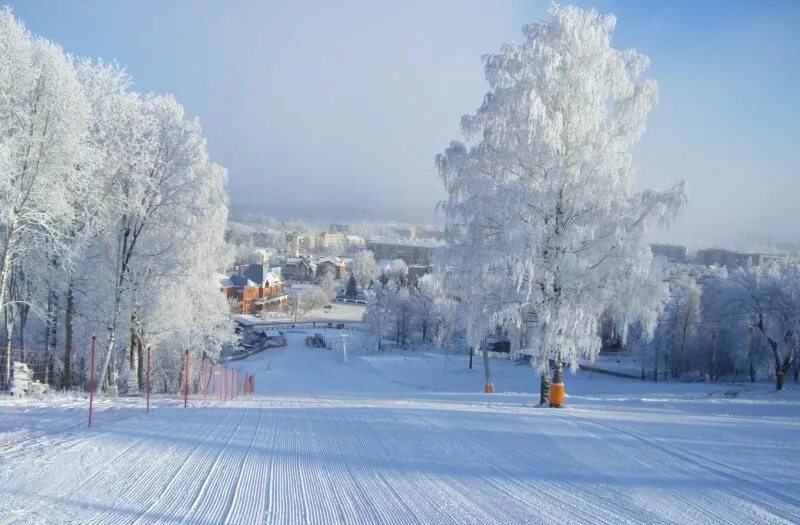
(672,252)
(333,265)
(255,288)
(732,259)
(355,241)
(300,243)
(329,239)
(412,251)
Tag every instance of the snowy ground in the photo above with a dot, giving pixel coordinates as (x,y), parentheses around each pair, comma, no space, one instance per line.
(402,438)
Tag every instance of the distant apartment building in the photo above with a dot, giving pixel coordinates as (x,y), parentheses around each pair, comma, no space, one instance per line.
(329,239)
(732,259)
(299,243)
(404,232)
(339,228)
(672,252)
(412,251)
(430,232)
(355,240)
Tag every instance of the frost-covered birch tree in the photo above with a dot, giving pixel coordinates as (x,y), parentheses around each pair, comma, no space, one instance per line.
(44,151)
(541,216)
(109,210)
(154,155)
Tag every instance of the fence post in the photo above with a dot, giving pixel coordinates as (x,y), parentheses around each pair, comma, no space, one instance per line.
(91,384)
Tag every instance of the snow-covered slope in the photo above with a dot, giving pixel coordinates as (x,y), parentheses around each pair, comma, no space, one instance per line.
(400,438)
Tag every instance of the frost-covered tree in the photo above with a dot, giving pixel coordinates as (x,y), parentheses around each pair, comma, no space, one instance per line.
(327,285)
(674,346)
(445,311)
(364,268)
(377,314)
(44,154)
(109,210)
(397,270)
(771,298)
(352,287)
(154,157)
(311,299)
(542,220)
(423,297)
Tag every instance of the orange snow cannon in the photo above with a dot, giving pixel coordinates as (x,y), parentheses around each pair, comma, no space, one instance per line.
(489,388)
(557,395)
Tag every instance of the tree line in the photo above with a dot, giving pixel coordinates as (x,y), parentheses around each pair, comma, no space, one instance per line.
(112,220)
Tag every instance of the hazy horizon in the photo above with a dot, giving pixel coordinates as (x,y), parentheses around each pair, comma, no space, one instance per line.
(344,106)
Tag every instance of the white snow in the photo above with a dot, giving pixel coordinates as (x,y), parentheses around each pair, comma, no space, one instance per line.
(400,438)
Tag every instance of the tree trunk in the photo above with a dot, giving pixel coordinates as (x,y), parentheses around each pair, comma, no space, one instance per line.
(9,334)
(5,365)
(489,387)
(558,375)
(109,350)
(6,379)
(779,377)
(53,336)
(470,357)
(68,329)
(544,386)
(134,360)
(140,379)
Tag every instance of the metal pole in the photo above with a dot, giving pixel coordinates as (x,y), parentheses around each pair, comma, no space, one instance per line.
(91,383)
(149,382)
(203,380)
(186,379)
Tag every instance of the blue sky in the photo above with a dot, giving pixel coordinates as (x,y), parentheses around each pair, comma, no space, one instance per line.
(343,105)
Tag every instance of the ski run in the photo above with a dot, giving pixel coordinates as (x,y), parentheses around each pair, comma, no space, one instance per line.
(401,437)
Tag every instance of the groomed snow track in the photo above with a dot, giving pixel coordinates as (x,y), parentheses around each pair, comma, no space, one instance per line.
(389,457)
